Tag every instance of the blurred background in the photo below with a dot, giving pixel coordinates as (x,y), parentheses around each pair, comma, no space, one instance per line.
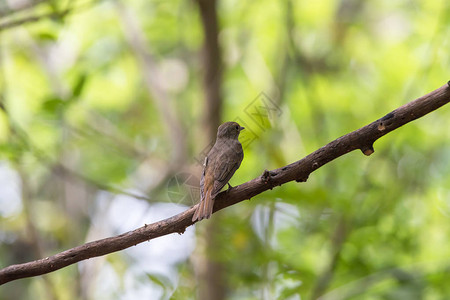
(107,109)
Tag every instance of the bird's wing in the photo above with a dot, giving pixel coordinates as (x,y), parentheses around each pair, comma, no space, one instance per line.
(225,170)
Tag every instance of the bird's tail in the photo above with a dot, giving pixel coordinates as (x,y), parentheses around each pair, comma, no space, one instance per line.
(205,207)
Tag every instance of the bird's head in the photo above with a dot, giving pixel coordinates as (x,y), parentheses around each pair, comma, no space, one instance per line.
(229,130)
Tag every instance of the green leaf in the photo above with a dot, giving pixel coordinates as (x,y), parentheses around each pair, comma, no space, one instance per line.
(53,105)
(79,85)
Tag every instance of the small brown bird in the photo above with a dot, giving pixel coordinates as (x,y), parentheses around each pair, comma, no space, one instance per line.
(222,161)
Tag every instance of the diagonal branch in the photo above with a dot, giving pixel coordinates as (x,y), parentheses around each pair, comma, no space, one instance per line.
(38,17)
(30,19)
(299,171)
(19,7)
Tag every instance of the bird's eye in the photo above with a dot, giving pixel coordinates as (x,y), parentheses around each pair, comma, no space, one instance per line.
(237,127)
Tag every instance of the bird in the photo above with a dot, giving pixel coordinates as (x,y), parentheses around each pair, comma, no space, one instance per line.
(221,162)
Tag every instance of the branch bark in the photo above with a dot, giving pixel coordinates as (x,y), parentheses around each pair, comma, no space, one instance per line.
(299,171)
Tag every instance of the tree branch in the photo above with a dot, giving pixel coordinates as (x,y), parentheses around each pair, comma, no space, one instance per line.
(38,17)
(30,19)
(7,11)
(299,171)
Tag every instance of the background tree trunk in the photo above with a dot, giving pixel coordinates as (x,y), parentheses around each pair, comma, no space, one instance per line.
(210,272)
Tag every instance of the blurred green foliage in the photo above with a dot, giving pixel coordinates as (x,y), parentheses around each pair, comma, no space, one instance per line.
(78,119)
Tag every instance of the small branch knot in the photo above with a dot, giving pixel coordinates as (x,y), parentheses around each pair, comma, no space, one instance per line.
(265,177)
(181,230)
(367,150)
(302,178)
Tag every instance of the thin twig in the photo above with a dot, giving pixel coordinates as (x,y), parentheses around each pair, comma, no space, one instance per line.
(25,20)
(19,8)
(55,14)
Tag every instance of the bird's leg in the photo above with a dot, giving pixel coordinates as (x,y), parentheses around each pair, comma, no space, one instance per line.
(229,186)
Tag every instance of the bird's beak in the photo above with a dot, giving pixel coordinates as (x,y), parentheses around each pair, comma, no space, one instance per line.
(242,128)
